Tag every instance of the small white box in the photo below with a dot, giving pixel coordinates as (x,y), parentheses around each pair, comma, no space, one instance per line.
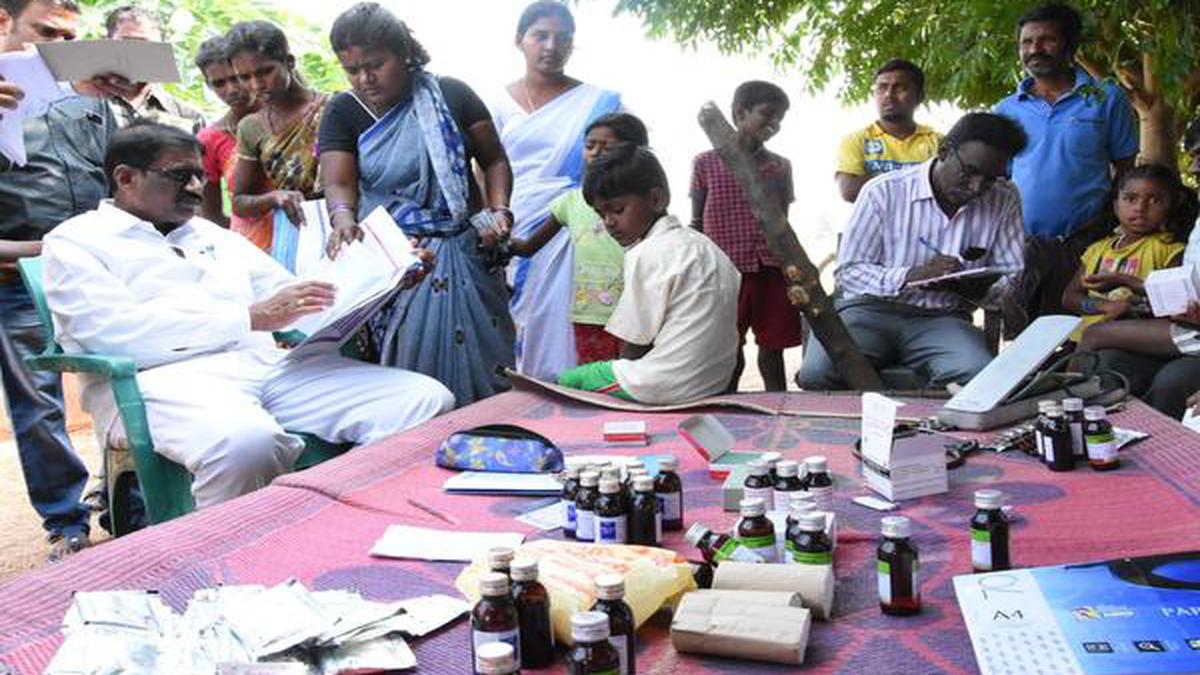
(714,443)
(1172,289)
(916,468)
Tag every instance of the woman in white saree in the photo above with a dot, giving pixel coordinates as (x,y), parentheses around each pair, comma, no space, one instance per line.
(541,118)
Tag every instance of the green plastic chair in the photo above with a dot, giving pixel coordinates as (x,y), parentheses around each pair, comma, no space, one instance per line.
(166,485)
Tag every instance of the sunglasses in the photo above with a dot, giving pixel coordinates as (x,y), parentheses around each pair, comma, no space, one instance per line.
(180,177)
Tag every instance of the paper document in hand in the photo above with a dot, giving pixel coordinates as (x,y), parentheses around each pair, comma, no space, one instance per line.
(973,273)
(402,541)
(367,275)
(134,60)
(29,71)
(301,249)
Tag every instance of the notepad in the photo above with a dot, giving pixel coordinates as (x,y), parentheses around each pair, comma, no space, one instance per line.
(973,273)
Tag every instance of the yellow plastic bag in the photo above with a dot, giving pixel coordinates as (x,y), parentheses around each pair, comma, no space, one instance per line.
(653,577)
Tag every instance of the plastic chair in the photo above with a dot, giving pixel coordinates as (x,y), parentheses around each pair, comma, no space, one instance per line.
(166,485)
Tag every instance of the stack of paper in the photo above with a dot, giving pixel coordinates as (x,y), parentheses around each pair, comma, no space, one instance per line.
(227,628)
(27,70)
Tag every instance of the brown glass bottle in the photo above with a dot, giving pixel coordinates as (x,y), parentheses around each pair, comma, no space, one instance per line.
(1073,413)
(811,546)
(569,490)
(898,568)
(645,517)
(1099,439)
(1056,440)
(818,482)
(533,614)
(592,654)
(610,600)
(612,517)
(494,617)
(755,531)
(717,548)
(499,558)
(669,489)
(758,483)
(787,483)
(585,506)
(989,533)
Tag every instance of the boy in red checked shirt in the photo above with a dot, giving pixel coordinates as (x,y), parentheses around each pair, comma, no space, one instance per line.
(720,210)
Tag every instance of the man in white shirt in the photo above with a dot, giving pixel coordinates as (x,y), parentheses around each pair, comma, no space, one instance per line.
(194,306)
(953,213)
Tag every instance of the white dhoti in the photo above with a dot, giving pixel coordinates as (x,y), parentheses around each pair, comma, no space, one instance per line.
(223,415)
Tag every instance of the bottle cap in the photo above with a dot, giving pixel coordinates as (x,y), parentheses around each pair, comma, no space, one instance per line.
(610,473)
(816,464)
(787,468)
(500,557)
(989,499)
(609,486)
(610,586)
(634,473)
(668,463)
(753,507)
(589,478)
(758,467)
(772,458)
(492,584)
(589,626)
(1054,411)
(800,508)
(635,464)
(1072,404)
(523,569)
(695,533)
(643,484)
(1094,413)
(811,521)
(1046,404)
(496,658)
(896,527)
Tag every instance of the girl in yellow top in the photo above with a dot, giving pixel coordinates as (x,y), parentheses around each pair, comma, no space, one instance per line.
(1109,282)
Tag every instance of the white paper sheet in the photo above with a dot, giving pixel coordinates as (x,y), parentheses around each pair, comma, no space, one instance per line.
(28,70)
(878,425)
(134,60)
(546,518)
(486,482)
(419,543)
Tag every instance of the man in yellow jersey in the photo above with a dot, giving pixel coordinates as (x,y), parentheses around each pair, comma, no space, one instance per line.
(895,140)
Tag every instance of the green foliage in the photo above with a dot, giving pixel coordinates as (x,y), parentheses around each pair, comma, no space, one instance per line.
(187,23)
(967,47)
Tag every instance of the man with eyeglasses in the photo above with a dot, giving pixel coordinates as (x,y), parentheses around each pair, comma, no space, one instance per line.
(194,305)
(1081,131)
(953,213)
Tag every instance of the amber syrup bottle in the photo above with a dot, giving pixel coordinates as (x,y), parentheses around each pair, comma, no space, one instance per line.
(1040,427)
(497,658)
(612,519)
(1073,413)
(1057,441)
(494,617)
(787,483)
(499,559)
(569,490)
(645,518)
(755,531)
(717,548)
(585,506)
(758,483)
(898,569)
(818,482)
(792,529)
(1100,441)
(989,533)
(593,654)
(811,545)
(772,459)
(610,600)
(533,614)
(669,489)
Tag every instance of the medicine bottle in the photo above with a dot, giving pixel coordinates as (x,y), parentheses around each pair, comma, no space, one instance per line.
(610,600)
(1073,413)
(755,531)
(1056,439)
(989,533)
(758,483)
(1039,425)
(772,460)
(898,569)
(717,548)
(818,483)
(612,519)
(569,489)
(494,617)
(585,506)
(630,467)
(787,483)
(497,658)
(645,516)
(811,546)
(1100,440)
(669,488)
(592,654)
(533,614)
(799,502)
(499,559)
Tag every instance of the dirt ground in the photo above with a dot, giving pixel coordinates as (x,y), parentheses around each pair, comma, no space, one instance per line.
(23,544)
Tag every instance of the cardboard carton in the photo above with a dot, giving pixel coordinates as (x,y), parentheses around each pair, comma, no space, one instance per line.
(738,625)
(714,443)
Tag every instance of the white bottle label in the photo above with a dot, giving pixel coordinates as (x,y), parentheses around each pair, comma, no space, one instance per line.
(981,549)
(1039,440)
(621,644)
(585,525)
(884,574)
(1077,445)
(610,529)
(671,504)
(658,518)
(570,519)
(1048,449)
(480,638)
(823,496)
(783,499)
(1102,450)
(766,494)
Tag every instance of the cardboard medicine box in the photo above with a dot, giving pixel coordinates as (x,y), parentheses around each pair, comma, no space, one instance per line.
(916,468)
(714,443)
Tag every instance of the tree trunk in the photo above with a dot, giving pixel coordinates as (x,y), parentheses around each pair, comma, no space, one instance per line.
(1158,134)
(804,284)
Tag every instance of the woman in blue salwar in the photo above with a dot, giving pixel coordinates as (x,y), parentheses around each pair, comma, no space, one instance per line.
(404,139)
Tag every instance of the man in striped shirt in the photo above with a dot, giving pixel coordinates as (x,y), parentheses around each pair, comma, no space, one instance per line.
(953,213)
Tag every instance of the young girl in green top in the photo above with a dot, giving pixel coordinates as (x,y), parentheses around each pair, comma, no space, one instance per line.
(599,259)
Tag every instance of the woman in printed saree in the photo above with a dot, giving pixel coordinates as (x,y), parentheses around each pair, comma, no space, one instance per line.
(541,118)
(277,146)
(404,139)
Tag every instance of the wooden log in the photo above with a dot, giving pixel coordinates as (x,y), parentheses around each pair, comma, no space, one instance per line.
(804,284)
